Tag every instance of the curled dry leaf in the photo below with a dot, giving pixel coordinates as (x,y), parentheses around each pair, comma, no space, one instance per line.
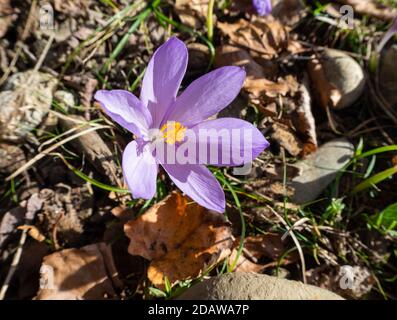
(79,274)
(34,232)
(257,84)
(261,252)
(327,93)
(180,238)
(304,120)
(192,13)
(286,138)
(265,94)
(243,263)
(263,35)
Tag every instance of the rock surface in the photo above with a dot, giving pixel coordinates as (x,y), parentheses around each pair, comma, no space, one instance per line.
(25,101)
(65,99)
(346,75)
(252,286)
(319,169)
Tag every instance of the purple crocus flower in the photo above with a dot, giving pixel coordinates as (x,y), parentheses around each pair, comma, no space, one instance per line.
(262,7)
(388,35)
(172,117)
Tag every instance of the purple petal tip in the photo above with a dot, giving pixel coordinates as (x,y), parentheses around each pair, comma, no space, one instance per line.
(262,7)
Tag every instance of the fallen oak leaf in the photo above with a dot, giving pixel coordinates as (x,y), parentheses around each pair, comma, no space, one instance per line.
(327,92)
(304,120)
(267,246)
(257,83)
(227,55)
(270,246)
(79,274)
(206,247)
(243,264)
(180,238)
(286,138)
(264,35)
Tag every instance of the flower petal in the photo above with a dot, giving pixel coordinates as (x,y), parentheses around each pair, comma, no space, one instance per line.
(198,183)
(262,7)
(207,95)
(228,142)
(140,170)
(125,109)
(163,77)
(388,35)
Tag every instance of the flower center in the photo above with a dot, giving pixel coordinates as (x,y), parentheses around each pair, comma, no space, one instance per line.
(173,132)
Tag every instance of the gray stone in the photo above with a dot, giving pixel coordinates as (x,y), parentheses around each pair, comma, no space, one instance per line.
(25,101)
(252,286)
(346,75)
(318,170)
(388,75)
(65,99)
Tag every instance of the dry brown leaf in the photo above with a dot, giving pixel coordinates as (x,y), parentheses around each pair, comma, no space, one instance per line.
(180,238)
(257,83)
(304,121)
(227,55)
(372,8)
(79,274)
(243,264)
(192,13)
(327,93)
(286,138)
(34,232)
(264,246)
(263,35)
(269,246)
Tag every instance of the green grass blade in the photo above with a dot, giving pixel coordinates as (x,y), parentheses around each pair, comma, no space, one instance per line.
(379,177)
(376,151)
(243,226)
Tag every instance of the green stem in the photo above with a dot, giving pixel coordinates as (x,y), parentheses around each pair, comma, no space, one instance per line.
(140,18)
(243,226)
(210,20)
(117,16)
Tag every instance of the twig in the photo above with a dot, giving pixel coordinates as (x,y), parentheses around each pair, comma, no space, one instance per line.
(14,264)
(50,149)
(290,229)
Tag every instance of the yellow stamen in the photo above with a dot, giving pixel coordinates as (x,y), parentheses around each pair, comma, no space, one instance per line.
(173,132)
